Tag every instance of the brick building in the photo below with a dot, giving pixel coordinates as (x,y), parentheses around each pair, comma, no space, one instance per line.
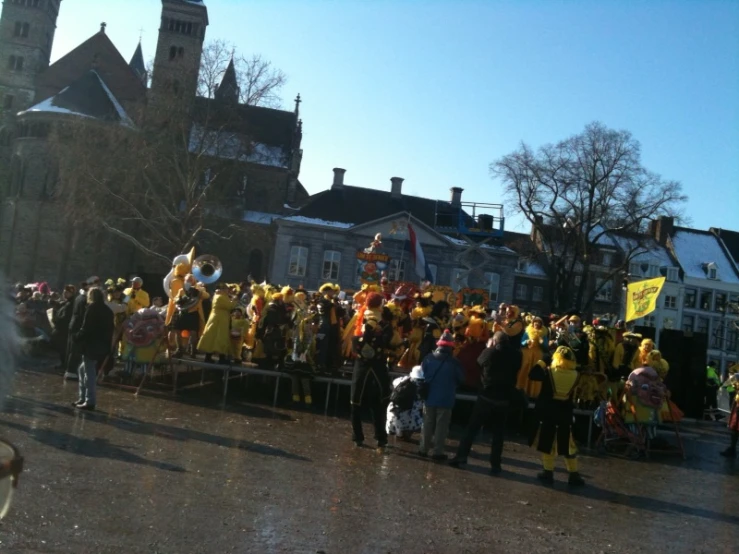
(94,83)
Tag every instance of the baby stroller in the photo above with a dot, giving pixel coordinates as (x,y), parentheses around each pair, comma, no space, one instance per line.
(617,437)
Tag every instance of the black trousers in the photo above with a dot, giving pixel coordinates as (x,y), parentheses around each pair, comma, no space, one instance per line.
(492,414)
(74,354)
(710,402)
(369,390)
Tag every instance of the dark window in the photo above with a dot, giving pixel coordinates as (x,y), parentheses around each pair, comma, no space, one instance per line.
(15,63)
(690,295)
(18,29)
(180,52)
(26,29)
(8,101)
(172,52)
(176,87)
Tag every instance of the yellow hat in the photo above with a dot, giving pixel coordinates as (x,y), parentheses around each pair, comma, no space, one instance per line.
(326,287)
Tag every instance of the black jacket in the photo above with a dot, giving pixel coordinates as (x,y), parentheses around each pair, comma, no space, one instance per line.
(79,305)
(96,333)
(63,316)
(500,366)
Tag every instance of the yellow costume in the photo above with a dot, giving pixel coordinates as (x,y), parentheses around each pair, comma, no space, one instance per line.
(254,311)
(239,330)
(137,299)
(647,346)
(411,356)
(216,338)
(476,329)
(534,343)
(625,360)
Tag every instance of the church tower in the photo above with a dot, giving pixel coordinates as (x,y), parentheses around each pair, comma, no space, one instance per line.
(179,49)
(27,30)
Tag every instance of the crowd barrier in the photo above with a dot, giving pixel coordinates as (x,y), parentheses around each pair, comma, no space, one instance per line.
(251,369)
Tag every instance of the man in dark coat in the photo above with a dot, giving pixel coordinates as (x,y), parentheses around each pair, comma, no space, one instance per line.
(271,331)
(95,341)
(370,379)
(61,318)
(79,305)
(500,363)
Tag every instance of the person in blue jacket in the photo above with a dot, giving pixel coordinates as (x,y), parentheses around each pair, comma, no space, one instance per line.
(442,373)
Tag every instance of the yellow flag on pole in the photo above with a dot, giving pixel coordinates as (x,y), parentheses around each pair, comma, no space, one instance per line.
(641,297)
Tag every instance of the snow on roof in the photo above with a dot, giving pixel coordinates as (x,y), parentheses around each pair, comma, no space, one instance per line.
(462,242)
(315,221)
(231,146)
(695,249)
(532,269)
(48,106)
(125,120)
(262,218)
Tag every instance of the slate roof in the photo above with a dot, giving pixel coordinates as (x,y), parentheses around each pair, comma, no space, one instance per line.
(88,96)
(263,125)
(360,205)
(694,248)
(98,53)
(228,90)
(137,63)
(730,240)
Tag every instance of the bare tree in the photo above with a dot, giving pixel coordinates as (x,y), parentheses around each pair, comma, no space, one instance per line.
(161,188)
(259,81)
(580,194)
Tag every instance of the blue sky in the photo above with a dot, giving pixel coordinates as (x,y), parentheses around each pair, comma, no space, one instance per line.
(433,91)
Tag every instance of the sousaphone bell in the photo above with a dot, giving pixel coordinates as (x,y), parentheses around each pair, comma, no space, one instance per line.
(207,269)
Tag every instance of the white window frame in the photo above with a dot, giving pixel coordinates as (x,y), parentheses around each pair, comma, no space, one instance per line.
(493,281)
(298,254)
(712,271)
(461,282)
(670,302)
(333,259)
(521,292)
(604,294)
(672,274)
(649,321)
(396,270)
(537,293)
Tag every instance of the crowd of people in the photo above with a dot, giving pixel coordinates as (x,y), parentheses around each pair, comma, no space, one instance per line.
(504,356)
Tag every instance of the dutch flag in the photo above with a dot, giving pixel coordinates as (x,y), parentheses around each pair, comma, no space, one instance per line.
(413,246)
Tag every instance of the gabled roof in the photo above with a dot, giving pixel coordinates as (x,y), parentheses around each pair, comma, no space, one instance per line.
(228,90)
(694,249)
(98,53)
(88,96)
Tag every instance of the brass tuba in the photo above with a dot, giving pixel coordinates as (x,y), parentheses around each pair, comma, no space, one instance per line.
(186,259)
(207,269)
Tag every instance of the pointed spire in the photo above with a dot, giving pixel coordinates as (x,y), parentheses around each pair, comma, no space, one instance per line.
(297,105)
(137,64)
(228,90)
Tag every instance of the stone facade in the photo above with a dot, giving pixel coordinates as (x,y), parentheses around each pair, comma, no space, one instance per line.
(322,241)
(37,243)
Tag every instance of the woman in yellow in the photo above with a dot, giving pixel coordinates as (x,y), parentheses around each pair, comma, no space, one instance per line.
(422,309)
(476,329)
(534,343)
(512,325)
(216,338)
(669,410)
(646,347)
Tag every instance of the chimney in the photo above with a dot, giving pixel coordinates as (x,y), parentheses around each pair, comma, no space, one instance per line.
(396,187)
(662,228)
(456,197)
(338,178)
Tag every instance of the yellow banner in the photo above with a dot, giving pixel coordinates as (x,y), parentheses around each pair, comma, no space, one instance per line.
(641,297)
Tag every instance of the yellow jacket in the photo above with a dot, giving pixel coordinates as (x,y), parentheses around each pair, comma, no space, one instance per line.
(216,338)
(137,299)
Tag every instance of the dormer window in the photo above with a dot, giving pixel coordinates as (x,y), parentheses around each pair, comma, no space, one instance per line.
(670,273)
(522,265)
(711,271)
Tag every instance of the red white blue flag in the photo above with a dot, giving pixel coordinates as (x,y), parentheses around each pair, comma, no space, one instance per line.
(418,260)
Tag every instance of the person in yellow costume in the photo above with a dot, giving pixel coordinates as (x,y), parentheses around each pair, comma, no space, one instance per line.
(476,329)
(353,326)
(216,338)
(395,348)
(512,325)
(421,310)
(625,360)
(600,355)
(552,434)
(254,312)
(189,318)
(137,298)
(534,343)
(174,283)
(646,346)
(239,330)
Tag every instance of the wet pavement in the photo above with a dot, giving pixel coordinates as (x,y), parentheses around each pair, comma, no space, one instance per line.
(182,474)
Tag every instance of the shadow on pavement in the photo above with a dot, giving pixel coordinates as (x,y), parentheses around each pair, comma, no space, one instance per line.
(136,426)
(92,448)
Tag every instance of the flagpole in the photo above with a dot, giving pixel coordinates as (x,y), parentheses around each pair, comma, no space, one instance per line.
(402,251)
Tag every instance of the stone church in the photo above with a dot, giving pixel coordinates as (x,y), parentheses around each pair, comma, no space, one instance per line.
(94,82)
